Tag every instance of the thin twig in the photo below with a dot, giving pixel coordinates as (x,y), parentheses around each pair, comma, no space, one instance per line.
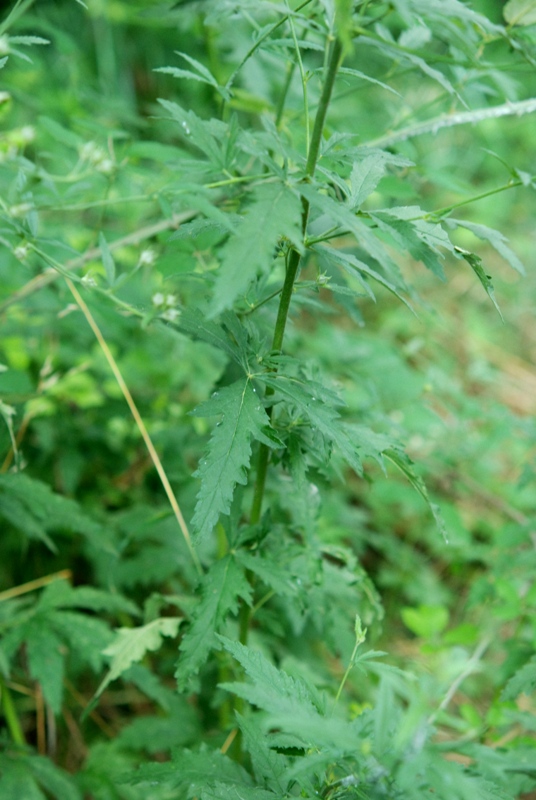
(38,583)
(50,275)
(469,668)
(139,421)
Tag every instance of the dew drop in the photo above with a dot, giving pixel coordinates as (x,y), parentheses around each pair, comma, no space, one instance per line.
(187,130)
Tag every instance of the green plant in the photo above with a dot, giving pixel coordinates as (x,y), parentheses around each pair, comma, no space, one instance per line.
(271,198)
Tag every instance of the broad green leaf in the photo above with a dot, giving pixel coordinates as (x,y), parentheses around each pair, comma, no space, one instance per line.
(229,452)
(475,262)
(131,644)
(269,767)
(496,239)
(274,212)
(107,260)
(222,586)
(520,12)
(425,621)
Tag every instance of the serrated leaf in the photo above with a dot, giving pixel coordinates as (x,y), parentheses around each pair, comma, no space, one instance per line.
(417,240)
(86,635)
(365,176)
(270,688)
(523,682)
(496,239)
(202,74)
(56,782)
(268,766)
(222,585)
(274,212)
(196,770)
(225,791)
(321,416)
(475,262)
(31,507)
(131,644)
(405,465)
(227,460)
(107,260)
(348,221)
(203,134)
(194,324)
(358,269)
(520,12)
(355,73)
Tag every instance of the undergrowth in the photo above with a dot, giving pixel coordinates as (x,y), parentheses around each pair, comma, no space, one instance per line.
(266,490)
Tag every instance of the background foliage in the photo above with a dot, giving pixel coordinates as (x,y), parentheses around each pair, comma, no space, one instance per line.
(361,624)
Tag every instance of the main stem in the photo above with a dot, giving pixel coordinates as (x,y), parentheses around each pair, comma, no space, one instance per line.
(293,266)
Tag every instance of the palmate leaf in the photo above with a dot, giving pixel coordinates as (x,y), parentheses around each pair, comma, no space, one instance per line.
(222,585)
(274,212)
(229,453)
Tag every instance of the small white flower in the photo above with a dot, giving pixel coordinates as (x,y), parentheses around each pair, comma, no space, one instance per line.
(88,281)
(21,251)
(171,300)
(90,151)
(20,210)
(171,314)
(147,258)
(27,134)
(158,299)
(106,165)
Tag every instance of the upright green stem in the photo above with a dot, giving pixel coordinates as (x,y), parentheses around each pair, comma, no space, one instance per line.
(293,266)
(10,714)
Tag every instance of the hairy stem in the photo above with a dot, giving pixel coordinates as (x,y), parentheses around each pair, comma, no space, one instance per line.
(293,266)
